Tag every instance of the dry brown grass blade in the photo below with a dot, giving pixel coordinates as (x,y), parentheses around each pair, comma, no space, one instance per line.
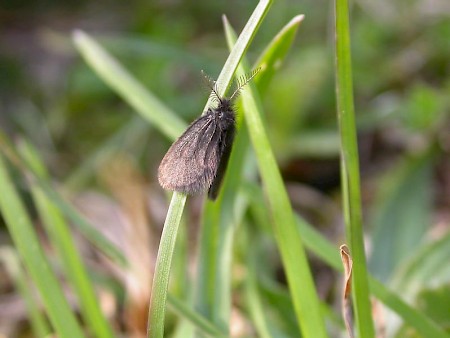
(347,290)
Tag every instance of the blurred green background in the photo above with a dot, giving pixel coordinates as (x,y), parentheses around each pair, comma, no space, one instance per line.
(401,68)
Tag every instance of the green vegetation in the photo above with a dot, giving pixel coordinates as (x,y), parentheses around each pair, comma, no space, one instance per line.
(342,138)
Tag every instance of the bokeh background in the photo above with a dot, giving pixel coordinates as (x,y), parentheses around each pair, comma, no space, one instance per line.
(401,68)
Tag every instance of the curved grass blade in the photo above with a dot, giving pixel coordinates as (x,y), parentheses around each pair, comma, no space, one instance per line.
(156,320)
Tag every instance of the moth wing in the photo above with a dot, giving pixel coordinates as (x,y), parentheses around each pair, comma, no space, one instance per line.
(191,163)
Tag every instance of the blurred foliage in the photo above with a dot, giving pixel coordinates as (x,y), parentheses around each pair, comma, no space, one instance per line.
(400,54)
(401,70)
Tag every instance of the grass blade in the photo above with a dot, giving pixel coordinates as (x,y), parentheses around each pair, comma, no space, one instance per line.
(200,322)
(255,304)
(240,47)
(157,310)
(402,213)
(133,92)
(61,237)
(350,172)
(128,87)
(87,229)
(271,58)
(38,321)
(329,253)
(29,248)
(223,81)
(299,276)
(216,255)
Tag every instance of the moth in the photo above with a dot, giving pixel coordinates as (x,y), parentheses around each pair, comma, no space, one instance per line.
(198,159)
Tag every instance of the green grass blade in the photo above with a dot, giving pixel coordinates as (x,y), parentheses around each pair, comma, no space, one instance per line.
(28,246)
(314,241)
(128,87)
(201,323)
(414,318)
(330,255)
(299,276)
(254,301)
(219,222)
(402,212)
(39,324)
(317,144)
(87,229)
(272,57)
(241,46)
(84,226)
(429,260)
(61,237)
(350,172)
(157,310)
(157,320)
(131,90)
(216,255)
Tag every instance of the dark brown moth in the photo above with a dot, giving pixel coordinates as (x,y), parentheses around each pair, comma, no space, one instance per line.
(198,159)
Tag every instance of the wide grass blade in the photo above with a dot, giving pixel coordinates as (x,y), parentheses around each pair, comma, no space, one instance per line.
(351,194)
(402,213)
(112,72)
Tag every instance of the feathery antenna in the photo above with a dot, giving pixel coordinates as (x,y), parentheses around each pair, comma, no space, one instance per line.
(212,85)
(242,81)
